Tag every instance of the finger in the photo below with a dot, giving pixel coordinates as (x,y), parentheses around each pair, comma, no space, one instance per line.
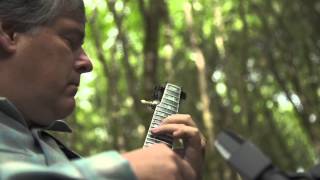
(179,119)
(177,130)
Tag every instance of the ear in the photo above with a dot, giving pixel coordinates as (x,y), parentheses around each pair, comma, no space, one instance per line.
(7,40)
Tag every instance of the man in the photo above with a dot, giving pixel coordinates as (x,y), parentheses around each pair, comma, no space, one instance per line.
(41,60)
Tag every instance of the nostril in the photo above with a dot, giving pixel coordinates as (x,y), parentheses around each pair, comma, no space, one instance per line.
(84,66)
(83,63)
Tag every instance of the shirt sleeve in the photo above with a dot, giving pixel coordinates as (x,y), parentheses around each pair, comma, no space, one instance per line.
(105,166)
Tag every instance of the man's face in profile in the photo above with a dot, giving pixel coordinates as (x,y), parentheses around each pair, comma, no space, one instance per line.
(47,64)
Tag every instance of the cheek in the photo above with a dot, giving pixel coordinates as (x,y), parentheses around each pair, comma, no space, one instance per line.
(56,64)
(48,66)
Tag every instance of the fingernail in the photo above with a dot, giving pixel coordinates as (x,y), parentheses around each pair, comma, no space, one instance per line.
(163,121)
(154,130)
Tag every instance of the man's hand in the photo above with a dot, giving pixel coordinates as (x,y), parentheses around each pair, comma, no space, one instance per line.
(158,162)
(182,126)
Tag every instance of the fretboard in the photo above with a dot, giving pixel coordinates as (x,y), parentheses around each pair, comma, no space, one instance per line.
(168,105)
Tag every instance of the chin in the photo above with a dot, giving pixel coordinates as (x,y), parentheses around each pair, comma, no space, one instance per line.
(51,113)
(66,108)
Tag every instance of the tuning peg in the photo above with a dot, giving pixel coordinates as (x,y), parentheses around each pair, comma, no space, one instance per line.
(151,103)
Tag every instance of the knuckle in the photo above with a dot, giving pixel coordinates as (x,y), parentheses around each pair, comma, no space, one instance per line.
(181,126)
(172,168)
(188,116)
(196,131)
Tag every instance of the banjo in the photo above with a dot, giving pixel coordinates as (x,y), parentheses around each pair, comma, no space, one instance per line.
(166,103)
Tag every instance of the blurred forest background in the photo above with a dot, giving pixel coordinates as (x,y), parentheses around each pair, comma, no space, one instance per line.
(249,66)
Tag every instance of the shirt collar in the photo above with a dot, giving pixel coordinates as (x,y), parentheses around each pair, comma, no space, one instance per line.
(9,109)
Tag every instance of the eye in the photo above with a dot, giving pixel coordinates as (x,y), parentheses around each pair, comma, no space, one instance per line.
(71,43)
(72,39)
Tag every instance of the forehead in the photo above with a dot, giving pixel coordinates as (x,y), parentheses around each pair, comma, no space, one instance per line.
(76,15)
(68,24)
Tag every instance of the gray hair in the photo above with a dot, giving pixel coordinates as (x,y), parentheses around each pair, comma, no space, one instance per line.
(24,15)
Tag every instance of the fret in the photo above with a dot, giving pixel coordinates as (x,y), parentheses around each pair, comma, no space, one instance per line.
(162,137)
(172,93)
(151,141)
(157,119)
(167,101)
(161,114)
(172,87)
(155,124)
(162,109)
(171,98)
(165,110)
(168,105)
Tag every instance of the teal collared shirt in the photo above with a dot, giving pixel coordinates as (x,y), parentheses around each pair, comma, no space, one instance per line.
(34,154)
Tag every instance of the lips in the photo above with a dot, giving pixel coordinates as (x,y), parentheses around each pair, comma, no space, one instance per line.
(72,87)
(75,82)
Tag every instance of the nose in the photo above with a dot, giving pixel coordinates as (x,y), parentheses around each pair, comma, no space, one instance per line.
(83,63)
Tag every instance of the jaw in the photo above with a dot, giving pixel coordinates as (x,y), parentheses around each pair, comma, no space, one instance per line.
(45,112)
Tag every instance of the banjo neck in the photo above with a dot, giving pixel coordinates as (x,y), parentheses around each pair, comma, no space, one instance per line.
(168,105)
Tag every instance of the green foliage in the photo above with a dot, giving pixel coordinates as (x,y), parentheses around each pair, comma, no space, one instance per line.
(261,71)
